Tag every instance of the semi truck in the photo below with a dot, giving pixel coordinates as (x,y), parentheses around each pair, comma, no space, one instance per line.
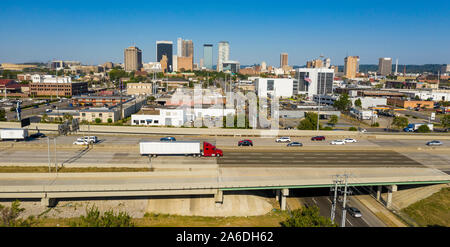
(187,148)
(414,126)
(13,134)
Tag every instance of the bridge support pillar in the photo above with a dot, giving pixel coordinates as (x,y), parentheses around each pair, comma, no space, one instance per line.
(284,193)
(379,192)
(391,189)
(48,202)
(218,197)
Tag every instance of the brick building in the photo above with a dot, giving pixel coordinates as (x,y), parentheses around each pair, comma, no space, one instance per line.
(68,89)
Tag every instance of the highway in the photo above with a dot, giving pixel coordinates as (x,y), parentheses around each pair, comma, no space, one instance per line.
(316,159)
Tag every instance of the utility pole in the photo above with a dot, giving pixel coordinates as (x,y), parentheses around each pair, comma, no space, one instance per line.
(48,143)
(344,210)
(336,181)
(120,89)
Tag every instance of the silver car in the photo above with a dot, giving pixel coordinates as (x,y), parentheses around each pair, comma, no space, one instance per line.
(354,212)
(434,143)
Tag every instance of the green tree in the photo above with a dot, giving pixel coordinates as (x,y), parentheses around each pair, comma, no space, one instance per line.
(310,122)
(44,118)
(343,103)
(358,103)
(98,120)
(423,129)
(94,218)
(445,121)
(307,217)
(352,129)
(109,120)
(400,122)
(333,120)
(9,216)
(2,115)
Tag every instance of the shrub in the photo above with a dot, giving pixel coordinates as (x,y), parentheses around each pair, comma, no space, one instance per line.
(109,120)
(98,120)
(423,129)
(376,124)
(94,218)
(307,217)
(327,128)
(352,129)
(9,216)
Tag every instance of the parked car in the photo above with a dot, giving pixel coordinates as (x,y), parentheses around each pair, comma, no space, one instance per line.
(434,143)
(338,142)
(295,144)
(354,212)
(318,138)
(349,140)
(283,139)
(168,139)
(48,110)
(38,135)
(245,143)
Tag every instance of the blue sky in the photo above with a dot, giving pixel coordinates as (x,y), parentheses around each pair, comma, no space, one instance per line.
(93,32)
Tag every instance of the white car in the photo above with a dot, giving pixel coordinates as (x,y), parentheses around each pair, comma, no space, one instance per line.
(94,139)
(348,140)
(80,142)
(338,142)
(283,139)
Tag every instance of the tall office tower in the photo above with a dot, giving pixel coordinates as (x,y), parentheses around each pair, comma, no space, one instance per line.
(385,66)
(223,54)
(187,48)
(351,66)
(175,63)
(396,66)
(208,56)
(132,59)
(283,60)
(179,47)
(165,48)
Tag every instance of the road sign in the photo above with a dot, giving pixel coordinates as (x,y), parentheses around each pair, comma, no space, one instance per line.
(24,122)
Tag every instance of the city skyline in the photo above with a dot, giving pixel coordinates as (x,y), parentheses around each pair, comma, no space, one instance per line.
(96,33)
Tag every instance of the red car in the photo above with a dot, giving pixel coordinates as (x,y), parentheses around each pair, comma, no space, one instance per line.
(318,138)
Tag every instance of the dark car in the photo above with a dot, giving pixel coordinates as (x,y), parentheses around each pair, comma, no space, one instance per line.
(38,135)
(168,139)
(245,143)
(318,138)
(295,144)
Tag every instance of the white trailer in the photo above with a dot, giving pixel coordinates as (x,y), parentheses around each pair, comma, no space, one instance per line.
(14,134)
(170,148)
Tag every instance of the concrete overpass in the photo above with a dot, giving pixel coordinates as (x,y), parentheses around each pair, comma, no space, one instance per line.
(51,187)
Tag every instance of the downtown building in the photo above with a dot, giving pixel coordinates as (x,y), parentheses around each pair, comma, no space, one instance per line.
(50,85)
(351,66)
(132,59)
(385,66)
(223,54)
(164,55)
(313,81)
(208,56)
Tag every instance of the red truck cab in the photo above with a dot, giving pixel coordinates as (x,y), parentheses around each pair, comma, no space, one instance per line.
(210,150)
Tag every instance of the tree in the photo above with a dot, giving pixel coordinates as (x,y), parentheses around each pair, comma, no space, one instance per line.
(400,122)
(423,129)
(10,216)
(445,121)
(109,120)
(309,123)
(343,103)
(307,217)
(2,115)
(358,103)
(333,120)
(98,120)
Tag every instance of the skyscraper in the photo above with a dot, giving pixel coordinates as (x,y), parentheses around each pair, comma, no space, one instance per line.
(351,66)
(187,48)
(385,66)
(132,59)
(165,48)
(283,60)
(223,54)
(208,56)
(179,47)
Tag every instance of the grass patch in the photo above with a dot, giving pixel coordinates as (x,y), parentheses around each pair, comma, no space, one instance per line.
(431,211)
(44,169)
(271,219)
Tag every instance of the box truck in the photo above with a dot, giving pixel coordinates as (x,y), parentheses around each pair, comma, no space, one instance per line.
(194,148)
(414,126)
(13,134)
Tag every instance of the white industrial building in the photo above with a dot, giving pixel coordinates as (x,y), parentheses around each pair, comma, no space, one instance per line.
(366,102)
(178,117)
(50,79)
(435,95)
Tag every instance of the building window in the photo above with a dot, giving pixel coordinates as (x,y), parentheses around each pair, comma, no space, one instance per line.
(156,121)
(270,85)
(136,121)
